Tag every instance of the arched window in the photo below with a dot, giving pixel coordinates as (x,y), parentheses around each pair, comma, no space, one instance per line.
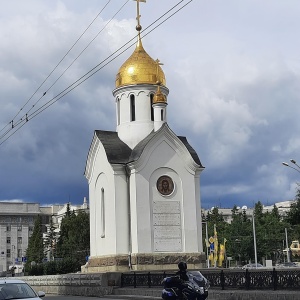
(102,216)
(132,107)
(161,114)
(118,111)
(151,107)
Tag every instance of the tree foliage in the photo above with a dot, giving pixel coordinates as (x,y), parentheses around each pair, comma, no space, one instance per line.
(269,232)
(68,249)
(35,250)
(74,238)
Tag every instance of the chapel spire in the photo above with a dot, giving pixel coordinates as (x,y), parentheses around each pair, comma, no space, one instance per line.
(140,93)
(139,68)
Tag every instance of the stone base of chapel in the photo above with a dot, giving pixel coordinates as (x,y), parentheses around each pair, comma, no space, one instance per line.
(143,262)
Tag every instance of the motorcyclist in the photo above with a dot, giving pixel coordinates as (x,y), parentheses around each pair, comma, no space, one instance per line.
(182,266)
(185,292)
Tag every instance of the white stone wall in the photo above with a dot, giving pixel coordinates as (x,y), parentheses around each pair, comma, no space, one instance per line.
(111,235)
(130,132)
(167,151)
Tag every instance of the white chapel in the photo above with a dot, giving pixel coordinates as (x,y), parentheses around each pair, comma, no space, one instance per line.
(144,180)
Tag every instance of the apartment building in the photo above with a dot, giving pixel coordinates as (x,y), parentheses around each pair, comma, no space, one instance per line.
(16,226)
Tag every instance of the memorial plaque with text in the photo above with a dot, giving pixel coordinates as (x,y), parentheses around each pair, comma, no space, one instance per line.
(166,219)
(170,207)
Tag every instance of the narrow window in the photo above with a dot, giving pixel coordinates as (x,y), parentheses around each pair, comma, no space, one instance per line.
(20,252)
(161,114)
(151,107)
(8,240)
(19,240)
(118,111)
(132,107)
(8,253)
(19,227)
(102,214)
(8,228)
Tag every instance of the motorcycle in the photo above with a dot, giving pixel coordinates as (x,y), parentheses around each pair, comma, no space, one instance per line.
(196,288)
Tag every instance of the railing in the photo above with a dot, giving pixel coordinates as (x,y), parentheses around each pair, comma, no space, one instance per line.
(225,279)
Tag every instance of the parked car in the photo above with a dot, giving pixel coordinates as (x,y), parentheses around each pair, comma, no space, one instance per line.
(287,265)
(252,266)
(17,289)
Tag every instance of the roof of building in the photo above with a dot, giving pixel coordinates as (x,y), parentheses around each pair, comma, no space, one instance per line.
(119,153)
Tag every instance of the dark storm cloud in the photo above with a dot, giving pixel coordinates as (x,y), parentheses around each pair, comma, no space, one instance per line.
(234,93)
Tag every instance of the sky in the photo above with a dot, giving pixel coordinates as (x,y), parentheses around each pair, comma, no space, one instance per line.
(232,68)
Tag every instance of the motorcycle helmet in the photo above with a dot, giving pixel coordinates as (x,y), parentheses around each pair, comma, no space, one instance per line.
(182,266)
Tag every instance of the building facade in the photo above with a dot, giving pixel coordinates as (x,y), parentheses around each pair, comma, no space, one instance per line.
(16,226)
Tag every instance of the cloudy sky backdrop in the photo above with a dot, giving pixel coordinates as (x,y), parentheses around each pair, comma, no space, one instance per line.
(232,67)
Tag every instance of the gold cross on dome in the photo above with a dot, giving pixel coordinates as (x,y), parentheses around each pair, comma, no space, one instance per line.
(138,17)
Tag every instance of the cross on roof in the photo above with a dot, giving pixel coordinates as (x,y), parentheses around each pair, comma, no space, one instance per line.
(138,10)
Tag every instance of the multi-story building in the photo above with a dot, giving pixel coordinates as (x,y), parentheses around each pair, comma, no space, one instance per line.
(16,226)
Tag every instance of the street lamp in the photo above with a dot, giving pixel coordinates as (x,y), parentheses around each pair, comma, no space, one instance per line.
(293,162)
(298,170)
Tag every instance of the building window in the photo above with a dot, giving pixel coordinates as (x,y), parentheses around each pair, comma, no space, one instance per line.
(8,240)
(132,107)
(8,228)
(7,252)
(30,228)
(161,114)
(19,252)
(19,240)
(118,111)
(102,206)
(19,227)
(151,107)
(8,219)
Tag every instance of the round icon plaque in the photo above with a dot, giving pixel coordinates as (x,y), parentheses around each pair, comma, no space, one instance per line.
(165,185)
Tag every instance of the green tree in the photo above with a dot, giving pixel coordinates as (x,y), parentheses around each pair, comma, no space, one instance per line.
(74,237)
(293,219)
(269,228)
(239,236)
(35,250)
(293,216)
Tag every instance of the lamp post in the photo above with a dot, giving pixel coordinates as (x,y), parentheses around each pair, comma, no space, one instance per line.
(297,168)
(254,239)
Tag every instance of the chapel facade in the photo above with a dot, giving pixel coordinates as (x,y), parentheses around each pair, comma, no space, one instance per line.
(144,180)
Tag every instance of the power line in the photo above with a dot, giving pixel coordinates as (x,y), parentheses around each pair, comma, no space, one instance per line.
(11,122)
(90,73)
(80,53)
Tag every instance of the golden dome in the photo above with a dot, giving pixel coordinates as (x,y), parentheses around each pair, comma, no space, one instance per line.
(159,97)
(140,68)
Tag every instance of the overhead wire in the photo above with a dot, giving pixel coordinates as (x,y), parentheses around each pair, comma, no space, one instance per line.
(94,70)
(57,65)
(81,52)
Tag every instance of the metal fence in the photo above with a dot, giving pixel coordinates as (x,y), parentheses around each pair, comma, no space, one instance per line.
(287,279)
